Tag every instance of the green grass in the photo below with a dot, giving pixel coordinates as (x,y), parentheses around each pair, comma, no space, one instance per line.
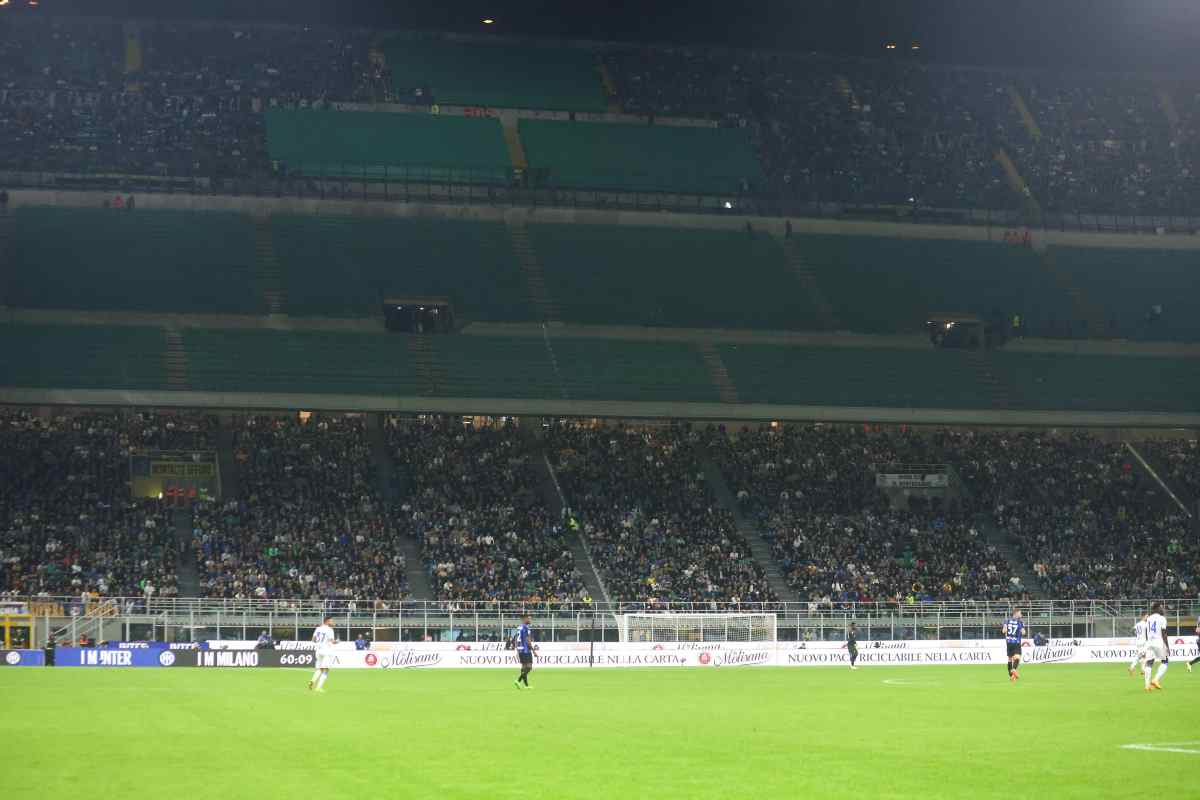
(657,733)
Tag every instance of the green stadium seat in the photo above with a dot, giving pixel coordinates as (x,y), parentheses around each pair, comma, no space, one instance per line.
(889,285)
(660,158)
(400,147)
(110,259)
(1099,383)
(240,360)
(500,75)
(606,369)
(346,266)
(82,357)
(851,376)
(1126,283)
(602,274)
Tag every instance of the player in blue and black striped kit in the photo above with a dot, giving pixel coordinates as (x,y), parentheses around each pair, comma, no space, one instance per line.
(525,651)
(1014,631)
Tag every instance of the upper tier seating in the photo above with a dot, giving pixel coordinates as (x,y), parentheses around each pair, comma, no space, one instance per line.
(656,158)
(418,147)
(497,75)
(101,259)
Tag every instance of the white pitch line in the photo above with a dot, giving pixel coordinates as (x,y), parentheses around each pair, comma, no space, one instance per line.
(1166,747)
(907,682)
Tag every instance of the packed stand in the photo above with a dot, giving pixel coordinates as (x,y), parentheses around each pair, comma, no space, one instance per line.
(812,488)
(68,525)
(307,521)
(1086,519)
(1178,460)
(655,530)
(471,500)
(68,103)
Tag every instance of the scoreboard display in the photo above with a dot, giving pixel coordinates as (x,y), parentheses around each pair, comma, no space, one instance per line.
(175,475)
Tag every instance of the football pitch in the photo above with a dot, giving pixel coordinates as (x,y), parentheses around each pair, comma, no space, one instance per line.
(898,732)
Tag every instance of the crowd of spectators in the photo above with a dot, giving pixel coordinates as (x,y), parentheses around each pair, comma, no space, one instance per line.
(654,528)
(306,521)
(836,536)
(1091,524)
(68,524)
(75,98)
(186,99)
(1179,462)
(470,498)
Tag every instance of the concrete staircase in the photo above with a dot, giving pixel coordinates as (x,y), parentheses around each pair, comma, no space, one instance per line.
(1030,207)
(1027,118)
(225,461)
(610,90)
(431,373)
(531,268)
(512,141)
(188,573)
(176,360)
(1082,308)
(420,583)
(267,271)
(981,365)
(842,84)
(753,534)
(1007,548)
(551,493)
(808,283)
(716,370)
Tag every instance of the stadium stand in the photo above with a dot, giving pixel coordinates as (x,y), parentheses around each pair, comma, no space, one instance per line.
(345,266)
(1089,523)
(82,357)
(654,528)
(682,277)
(1097,383)
(307,521)
(1180,458)
(68,525)
(890,285)
(484,534)
(402,146)
(496,75)
(654,158)
(1143,294)
(133,260)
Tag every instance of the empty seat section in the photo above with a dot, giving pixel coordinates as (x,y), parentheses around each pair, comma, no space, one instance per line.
(698,278)
(848,376)
(1127,284)
(100,259)
(346,266)
(475,366)
(1099,383)
(605,369)
(889,285)
(503,76)
(298,361)
(417,147)
(82,357)
(659,158)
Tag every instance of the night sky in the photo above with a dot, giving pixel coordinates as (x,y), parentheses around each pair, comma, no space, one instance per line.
(1110,35)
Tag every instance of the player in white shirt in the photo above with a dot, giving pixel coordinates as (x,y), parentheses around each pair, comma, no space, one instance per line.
(324,639)
(1139,641)
(1157,648)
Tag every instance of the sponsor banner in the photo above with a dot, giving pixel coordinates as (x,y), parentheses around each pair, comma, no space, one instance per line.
(107,657)
(911,480)
(22,658)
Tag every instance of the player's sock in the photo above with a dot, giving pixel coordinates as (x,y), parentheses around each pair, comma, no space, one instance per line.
(321,680)
(316,676)
(1195,660)
(1162,670)
(1146,671)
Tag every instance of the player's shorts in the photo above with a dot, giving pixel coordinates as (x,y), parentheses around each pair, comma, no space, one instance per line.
(1141,652)
(1156,651)
(324,659)
(526,658)
(1014,649)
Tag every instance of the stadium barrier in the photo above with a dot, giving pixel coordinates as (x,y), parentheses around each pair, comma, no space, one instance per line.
(22,658)
(477,655)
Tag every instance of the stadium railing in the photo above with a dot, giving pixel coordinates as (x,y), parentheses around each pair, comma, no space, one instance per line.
(479,186)
(195,619)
